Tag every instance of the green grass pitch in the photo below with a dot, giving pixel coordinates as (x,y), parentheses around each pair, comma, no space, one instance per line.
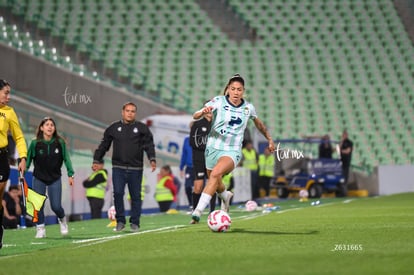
(372,235)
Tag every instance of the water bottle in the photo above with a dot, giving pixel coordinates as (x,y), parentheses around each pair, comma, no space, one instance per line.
(22,222)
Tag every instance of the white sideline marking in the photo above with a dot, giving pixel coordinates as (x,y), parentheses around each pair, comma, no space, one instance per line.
(88,242)
(347,201)
(9,245)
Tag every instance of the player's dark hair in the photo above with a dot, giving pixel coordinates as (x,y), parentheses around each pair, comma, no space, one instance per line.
(129,103)
(3,83)
(234,78)
(39,132)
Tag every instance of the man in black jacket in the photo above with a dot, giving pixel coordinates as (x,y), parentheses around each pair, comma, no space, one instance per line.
(130,138)
(346,147)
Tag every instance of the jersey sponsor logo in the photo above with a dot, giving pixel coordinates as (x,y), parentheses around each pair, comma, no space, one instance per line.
(233,110)
(235,121)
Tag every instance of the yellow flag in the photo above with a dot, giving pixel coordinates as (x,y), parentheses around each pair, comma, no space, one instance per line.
(34,201)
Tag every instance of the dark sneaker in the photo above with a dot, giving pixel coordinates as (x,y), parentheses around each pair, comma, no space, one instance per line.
(134,227)
(119,227)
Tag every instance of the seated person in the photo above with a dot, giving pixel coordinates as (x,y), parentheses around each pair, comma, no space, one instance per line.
(12,207)
(325,148)
(165,191)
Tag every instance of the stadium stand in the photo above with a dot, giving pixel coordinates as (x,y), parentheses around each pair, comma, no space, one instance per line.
(316,66)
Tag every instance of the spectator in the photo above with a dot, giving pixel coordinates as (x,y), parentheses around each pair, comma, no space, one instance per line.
(250,161)
(266,170)
(95,186)
(346,148)
(165,191)
(325,148)
(174,204)
(12,205)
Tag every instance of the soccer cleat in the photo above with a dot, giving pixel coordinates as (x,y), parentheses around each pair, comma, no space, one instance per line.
(64,229)
(195,217)
(40,231)
(119,227)
(134,228)
(225,205)
(190,211)
(194,221)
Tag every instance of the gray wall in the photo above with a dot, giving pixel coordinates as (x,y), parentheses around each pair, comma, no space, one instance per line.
(394,179)
(60,87)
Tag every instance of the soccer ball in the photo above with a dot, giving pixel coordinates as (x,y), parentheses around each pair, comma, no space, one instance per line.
(251,206)
(303,195)
(219,221)
(111,213)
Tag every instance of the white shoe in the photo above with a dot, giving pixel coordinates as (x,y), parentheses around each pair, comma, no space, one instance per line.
(64,230)
(225,205)
(40,231)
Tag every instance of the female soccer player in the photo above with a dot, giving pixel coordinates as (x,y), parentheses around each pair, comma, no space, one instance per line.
(231,114)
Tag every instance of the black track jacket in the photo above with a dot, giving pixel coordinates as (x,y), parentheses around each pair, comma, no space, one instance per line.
(129,143)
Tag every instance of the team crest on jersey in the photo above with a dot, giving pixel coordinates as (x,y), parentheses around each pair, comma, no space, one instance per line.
(135,130)
(119,129)
(246,111)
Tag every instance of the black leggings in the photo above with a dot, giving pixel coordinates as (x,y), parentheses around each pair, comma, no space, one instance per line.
(164,205)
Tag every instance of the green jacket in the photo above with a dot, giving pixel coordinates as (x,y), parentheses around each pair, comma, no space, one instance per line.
(48,158)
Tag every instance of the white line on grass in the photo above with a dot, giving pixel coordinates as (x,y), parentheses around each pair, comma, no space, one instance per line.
(89,242)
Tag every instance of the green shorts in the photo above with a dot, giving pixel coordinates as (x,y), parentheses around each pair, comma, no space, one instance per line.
(213,155)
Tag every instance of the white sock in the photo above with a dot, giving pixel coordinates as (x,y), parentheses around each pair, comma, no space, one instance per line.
(203,202)
(223,195)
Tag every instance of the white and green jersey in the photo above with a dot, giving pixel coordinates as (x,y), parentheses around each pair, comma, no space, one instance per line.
(229,123)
